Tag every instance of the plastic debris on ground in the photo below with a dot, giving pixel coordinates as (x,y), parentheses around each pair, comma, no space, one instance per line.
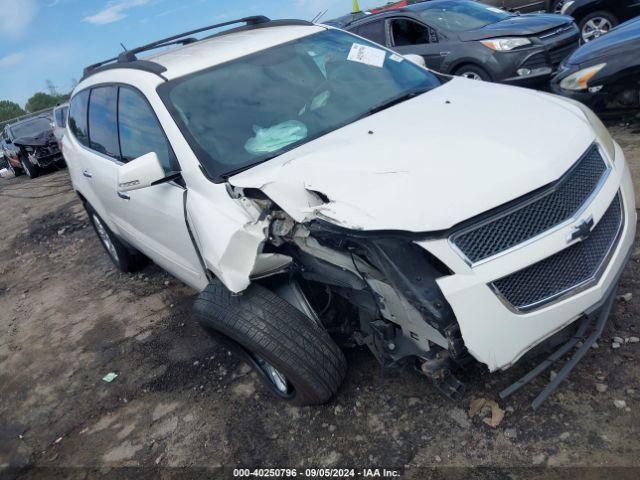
(110,377)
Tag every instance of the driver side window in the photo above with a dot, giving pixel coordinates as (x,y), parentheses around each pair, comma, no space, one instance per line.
(140,132)
(407,32)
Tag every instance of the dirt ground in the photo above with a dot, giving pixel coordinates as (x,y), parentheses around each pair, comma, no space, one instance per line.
(67,319)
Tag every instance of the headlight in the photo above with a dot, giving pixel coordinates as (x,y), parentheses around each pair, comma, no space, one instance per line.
(505,44)
(602,134)
(580,79)
(566,6)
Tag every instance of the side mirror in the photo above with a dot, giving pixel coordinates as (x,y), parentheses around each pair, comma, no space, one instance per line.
(141,172)
(417,59)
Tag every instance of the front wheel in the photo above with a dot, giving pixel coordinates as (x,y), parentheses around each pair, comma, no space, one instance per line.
(295,357)
(29,168)
(473,72)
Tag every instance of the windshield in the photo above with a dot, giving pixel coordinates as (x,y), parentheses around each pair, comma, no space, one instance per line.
(31,128)
(460,16)
(251,109)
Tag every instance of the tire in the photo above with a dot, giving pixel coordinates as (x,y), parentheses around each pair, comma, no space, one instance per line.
(32,171)
(596,24)
(265,329)
(473,72)
(125,258)
(556,6)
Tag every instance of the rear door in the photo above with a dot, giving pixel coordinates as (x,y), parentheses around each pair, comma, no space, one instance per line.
(409,36)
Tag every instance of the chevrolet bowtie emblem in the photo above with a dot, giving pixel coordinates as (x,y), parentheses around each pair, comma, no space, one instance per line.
(582,230)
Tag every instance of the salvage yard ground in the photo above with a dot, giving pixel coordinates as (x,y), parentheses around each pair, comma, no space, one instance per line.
(67,319)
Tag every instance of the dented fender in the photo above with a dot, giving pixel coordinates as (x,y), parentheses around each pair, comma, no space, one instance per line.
(229,234)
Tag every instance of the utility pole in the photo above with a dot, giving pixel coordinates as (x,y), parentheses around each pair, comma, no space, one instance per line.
(356,7)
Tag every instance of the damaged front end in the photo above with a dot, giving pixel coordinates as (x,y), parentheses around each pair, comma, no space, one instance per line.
(366,288)
(41,150)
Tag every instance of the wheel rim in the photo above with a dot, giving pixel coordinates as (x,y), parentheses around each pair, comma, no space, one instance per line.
(275,376)
(558,7)
(471,75)
(595,28)
(105,238)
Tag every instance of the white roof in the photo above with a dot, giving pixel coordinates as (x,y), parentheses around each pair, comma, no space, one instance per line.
(214,51)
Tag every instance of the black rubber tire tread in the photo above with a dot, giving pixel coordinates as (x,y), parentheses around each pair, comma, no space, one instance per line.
(269,326)
(129,260)
(31,170)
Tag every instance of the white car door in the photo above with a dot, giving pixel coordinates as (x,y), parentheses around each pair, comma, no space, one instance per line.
(153,218)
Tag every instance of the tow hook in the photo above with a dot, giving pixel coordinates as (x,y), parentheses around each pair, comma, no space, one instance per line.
(436,369)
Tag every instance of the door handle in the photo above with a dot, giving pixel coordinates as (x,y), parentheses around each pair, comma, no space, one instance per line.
(87,174)
(124,195)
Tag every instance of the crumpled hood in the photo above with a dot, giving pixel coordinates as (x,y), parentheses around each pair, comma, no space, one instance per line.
(431,162)
(41,140)
(517,25)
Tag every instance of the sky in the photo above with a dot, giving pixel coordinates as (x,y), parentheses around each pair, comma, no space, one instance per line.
(54,40)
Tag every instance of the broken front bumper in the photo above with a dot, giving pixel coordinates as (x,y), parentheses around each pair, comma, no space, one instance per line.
(497,334)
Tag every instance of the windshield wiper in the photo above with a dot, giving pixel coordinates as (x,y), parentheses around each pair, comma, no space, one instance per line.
(395,101)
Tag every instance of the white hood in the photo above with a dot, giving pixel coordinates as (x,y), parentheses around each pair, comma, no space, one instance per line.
(430,162)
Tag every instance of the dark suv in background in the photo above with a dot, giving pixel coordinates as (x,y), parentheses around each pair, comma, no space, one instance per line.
(469,39)
(597,17)
(30,146)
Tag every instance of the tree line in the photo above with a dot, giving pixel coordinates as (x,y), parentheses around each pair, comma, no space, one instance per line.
(38,101)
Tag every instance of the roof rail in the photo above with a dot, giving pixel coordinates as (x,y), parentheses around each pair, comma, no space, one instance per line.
(130,56)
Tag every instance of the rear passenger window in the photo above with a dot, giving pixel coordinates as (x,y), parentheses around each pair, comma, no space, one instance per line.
(103,126)
(408,32)
(140,131)
(78,117)
(374,31)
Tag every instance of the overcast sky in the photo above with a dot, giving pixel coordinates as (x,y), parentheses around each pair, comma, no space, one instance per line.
(55,39)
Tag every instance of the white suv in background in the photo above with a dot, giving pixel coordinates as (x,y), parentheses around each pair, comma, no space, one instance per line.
(319,189)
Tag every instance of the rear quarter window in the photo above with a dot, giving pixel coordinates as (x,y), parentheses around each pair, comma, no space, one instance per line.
(78,117)
(373,31)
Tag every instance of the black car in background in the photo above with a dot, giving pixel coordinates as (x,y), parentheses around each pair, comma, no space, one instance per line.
(466,38)
(597,17)
(604,73)
(30,146)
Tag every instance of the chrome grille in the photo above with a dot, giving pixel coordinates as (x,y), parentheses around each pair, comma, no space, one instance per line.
(531,217)
(560,274)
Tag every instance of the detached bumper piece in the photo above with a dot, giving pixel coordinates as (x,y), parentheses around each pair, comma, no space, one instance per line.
(601,316)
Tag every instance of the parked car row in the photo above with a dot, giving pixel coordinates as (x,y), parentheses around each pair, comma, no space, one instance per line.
(32,145)
(469,39)
(482,42)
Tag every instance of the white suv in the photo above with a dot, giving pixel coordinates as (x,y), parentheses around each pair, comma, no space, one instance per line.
(319,189)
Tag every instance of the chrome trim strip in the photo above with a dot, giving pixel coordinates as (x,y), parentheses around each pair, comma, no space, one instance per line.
(574,218)
(577,288)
